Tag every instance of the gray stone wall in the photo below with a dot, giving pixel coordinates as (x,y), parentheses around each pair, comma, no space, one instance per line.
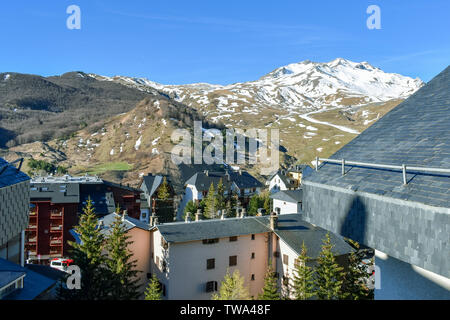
(409,231)
(14,210)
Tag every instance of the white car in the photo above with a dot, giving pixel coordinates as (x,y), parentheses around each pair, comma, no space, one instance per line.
(61,263)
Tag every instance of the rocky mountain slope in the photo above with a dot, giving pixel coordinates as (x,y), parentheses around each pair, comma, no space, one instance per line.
(318,107)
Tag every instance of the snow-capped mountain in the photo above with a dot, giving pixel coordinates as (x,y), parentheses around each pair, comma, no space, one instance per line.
(300,87)
(318,107)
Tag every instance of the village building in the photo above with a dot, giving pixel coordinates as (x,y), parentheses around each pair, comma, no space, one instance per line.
(389,189)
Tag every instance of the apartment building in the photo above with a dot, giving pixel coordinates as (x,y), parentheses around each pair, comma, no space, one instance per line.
(191,259)
(56,203)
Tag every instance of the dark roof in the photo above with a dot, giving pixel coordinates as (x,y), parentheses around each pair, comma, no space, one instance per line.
(291,229)
(414,133)
(299,167)
(121,186)
(102,199)
(202,181)
(294,231)
(288,195)
(9,174)
(55,192)
(9,272)
(214,228)
(150,183)
(129,223)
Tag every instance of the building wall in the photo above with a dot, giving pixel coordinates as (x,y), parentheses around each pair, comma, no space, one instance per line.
(187,274)
(14,210)
(409,231)
(141,253)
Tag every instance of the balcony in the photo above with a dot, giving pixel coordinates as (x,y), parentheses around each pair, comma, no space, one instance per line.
(55,241)
(32,227)
(55,228)
(32,240)
(55,215)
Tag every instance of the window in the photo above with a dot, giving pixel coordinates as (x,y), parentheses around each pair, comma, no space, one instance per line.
(157,261)
(253,237)
(285,259)
(149,275)
(210,264)
(253,277)
(233,239)
(276,254)
(253,255)
(210,241)
(233,261)
(211,286)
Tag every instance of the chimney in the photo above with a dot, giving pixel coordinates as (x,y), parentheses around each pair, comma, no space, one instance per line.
(197,215)
(124,215)
(240,172)
(273,221)
(207,173)
(156,221)
(152,219)
(222,215)
(228,176)
(188,218)
(243,213)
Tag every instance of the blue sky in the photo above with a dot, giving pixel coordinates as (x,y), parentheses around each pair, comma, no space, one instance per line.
(176,42)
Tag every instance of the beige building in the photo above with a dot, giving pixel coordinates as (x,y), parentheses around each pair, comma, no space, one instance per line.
(191,259)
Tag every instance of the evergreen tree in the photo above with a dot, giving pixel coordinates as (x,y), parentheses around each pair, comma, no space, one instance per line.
(354,286)
(164,210)
(220,197)
(163,190)
(120,266)
(232,288)
(303,282)
(254,205)
(270,290)
(329,275)
(211,203)
(267,203)
(88,256)
(153,291)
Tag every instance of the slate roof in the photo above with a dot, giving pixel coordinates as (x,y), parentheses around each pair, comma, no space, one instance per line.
(417,133)
(9,174)
(74,190)
(242,180)
(291,229)
(294,231)
(150,183)
(214,228)
(288,195)
(34,282)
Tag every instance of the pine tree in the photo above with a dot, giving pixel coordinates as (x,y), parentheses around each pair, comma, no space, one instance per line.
(267,203)
(165,209)
(153,291)
(254,205)
(220,196)
(270,290)
(163,190)
(354,286)
(329,275)
(121,268)
(88,256)
(232,288)
(211,203)
(190,209)
(303,282)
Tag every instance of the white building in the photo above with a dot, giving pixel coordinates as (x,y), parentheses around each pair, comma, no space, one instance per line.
(288,201)
(290,179)
(191,259)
